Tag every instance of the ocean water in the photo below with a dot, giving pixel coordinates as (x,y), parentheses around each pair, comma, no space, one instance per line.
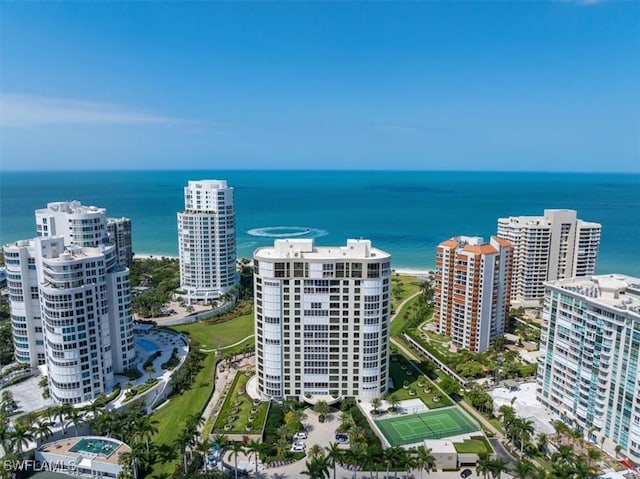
(404,213)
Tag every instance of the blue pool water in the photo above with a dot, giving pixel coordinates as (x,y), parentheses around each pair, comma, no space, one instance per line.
(146,345)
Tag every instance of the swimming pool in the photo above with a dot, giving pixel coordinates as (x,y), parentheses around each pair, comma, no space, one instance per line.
(148,346)
(101,447)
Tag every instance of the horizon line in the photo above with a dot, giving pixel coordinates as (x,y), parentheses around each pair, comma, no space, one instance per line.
(316,170)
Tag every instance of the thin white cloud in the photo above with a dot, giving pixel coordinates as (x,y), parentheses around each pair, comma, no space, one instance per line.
(28,110)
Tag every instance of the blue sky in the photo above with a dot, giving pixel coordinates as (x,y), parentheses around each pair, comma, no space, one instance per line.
(387,85)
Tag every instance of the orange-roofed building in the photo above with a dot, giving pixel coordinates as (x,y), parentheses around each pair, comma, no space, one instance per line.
(473,286)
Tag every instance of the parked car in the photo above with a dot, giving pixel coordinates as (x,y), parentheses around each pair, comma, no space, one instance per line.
(298,447)
(300,435)
(465,473)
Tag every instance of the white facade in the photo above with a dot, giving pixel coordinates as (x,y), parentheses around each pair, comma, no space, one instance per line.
(207,240)
(68,457)
(472,288)
(71,310)
(322,320)
(119,231)
(70,301)
(77,224)
(588,367)
(554,246)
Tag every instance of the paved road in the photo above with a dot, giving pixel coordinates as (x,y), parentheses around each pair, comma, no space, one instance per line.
(502,452)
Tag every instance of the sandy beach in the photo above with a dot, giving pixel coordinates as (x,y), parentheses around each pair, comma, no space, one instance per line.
(403,271)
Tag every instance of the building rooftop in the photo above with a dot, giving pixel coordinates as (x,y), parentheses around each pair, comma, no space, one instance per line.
(100,449)
(616,291)
(305,249)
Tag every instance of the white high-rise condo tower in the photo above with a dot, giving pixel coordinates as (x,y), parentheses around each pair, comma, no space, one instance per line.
(119,230)
(207,240)
(472,286)
(588,371)
(322,320)
(554,246)
(70,302)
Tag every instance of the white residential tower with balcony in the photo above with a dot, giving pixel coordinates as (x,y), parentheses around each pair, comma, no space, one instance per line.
(322,320)
(557,245)
(207,241)
(588,366)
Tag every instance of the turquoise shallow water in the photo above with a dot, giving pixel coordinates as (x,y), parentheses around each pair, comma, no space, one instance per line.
(404,213)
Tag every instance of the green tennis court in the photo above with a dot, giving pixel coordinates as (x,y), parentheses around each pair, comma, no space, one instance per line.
(445,422)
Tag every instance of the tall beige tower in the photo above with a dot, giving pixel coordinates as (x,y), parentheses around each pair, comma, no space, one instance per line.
(557,245)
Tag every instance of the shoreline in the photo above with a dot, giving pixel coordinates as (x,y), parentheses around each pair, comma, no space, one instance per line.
(402,271)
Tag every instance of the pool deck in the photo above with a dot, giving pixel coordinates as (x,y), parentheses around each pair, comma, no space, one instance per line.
(63,447)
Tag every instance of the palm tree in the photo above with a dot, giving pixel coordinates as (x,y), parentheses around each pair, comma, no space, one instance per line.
(220,440)
(334,454)
(346,422)
(394,402)
(76,418)
(497,467)
(236,449)
(203,448)
(542,442)
(63,412)
(317,468)
(316,450)
(7,404)
(593,455)
(617,450)
(146,429)
(482,467)
(42,430)
(255,448)
(375,404)
(131,459)
(322,409)
(182,442)
(524,469)
(20,437)
(283,432)
(424,460)
(525,428)
(395,457)
(563,455)
(282,446)
(560,428)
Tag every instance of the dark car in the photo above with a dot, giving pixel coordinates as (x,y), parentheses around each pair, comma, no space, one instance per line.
(465,473)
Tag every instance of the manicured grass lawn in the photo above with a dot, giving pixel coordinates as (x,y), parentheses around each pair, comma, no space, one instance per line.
(409,286)
(239,405)
(471,446)
(400,319)
(211,336)
(399,376)
(171,418)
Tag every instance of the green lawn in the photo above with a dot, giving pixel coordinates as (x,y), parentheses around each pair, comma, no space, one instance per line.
(399,376)
(171,418)
(239,405)
(471,446)
(211,336)
(193,401)
(400,320)
(408,285)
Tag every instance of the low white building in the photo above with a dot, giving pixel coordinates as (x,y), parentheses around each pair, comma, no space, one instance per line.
(444,453)
(83,456)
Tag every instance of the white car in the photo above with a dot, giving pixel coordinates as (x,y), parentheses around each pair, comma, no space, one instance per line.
(298,447)
(300,435)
